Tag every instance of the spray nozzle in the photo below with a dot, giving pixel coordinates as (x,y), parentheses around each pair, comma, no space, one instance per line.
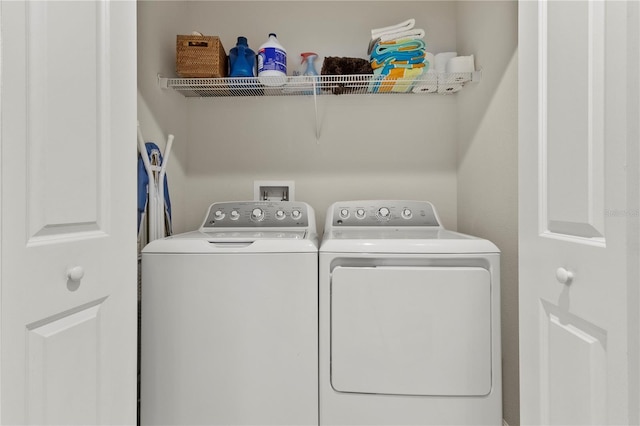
(307,55)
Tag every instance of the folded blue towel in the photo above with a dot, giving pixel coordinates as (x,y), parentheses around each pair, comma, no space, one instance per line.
(401,46)
(406,53)
(393,62)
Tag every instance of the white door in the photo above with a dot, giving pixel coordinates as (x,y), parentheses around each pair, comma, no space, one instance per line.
(68,271)
(578,106)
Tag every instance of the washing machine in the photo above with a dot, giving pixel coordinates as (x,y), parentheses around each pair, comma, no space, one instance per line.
(230,319)
(409,319)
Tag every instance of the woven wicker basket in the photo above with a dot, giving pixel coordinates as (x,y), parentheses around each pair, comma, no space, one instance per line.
(200,57)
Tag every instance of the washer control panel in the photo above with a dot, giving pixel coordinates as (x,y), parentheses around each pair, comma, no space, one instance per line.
(257,214)
(384,213)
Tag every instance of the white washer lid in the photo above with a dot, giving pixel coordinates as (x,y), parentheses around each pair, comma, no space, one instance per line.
(237,241)
(245,235)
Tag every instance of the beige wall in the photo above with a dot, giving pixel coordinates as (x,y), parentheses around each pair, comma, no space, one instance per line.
(457,151)
(365,150)
(487,160)
(369,147)
(161,112)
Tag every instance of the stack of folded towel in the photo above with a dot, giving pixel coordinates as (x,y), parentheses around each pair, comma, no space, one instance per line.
(397,57)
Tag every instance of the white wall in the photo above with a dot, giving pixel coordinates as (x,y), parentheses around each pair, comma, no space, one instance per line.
(488,160)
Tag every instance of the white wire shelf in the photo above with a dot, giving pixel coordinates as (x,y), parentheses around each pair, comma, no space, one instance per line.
(446,83)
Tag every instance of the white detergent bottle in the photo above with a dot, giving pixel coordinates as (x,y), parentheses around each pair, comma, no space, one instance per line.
(272,62)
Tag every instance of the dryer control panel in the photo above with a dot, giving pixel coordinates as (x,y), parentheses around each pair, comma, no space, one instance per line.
(384,213)
(256,214)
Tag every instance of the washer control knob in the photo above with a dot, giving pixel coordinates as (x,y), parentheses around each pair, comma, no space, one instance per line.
(296,214)
(383,212)
(257,214)
(280,215)
(218,215)
(360,213)
(406,213)
(235,215)
(344,213)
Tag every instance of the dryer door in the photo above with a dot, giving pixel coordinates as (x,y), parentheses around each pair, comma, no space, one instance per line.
(411,330)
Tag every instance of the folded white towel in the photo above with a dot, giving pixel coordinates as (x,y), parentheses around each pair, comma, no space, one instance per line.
(395,32)
(412,34)
(402,26)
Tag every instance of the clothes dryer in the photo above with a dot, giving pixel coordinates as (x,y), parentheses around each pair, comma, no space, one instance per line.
(229,319)
(409,319)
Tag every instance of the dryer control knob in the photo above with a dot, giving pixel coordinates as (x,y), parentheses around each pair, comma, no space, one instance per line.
(280,215)
(344,213)
(406,213)
(296,214)
(235,215)
(360,213)
(257,214)
(383,212)
(218,215)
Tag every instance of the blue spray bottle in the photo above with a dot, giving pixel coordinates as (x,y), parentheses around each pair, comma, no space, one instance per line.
(242,60)
(309,59)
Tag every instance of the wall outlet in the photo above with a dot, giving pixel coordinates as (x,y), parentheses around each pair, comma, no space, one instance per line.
(273,190)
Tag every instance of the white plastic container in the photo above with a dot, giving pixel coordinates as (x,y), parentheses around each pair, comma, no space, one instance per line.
(272,62)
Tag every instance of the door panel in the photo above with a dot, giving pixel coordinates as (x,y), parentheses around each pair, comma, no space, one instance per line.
(411,330)
(572,117)
(573,353)
(67,135)
(63,353)
(68,299)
